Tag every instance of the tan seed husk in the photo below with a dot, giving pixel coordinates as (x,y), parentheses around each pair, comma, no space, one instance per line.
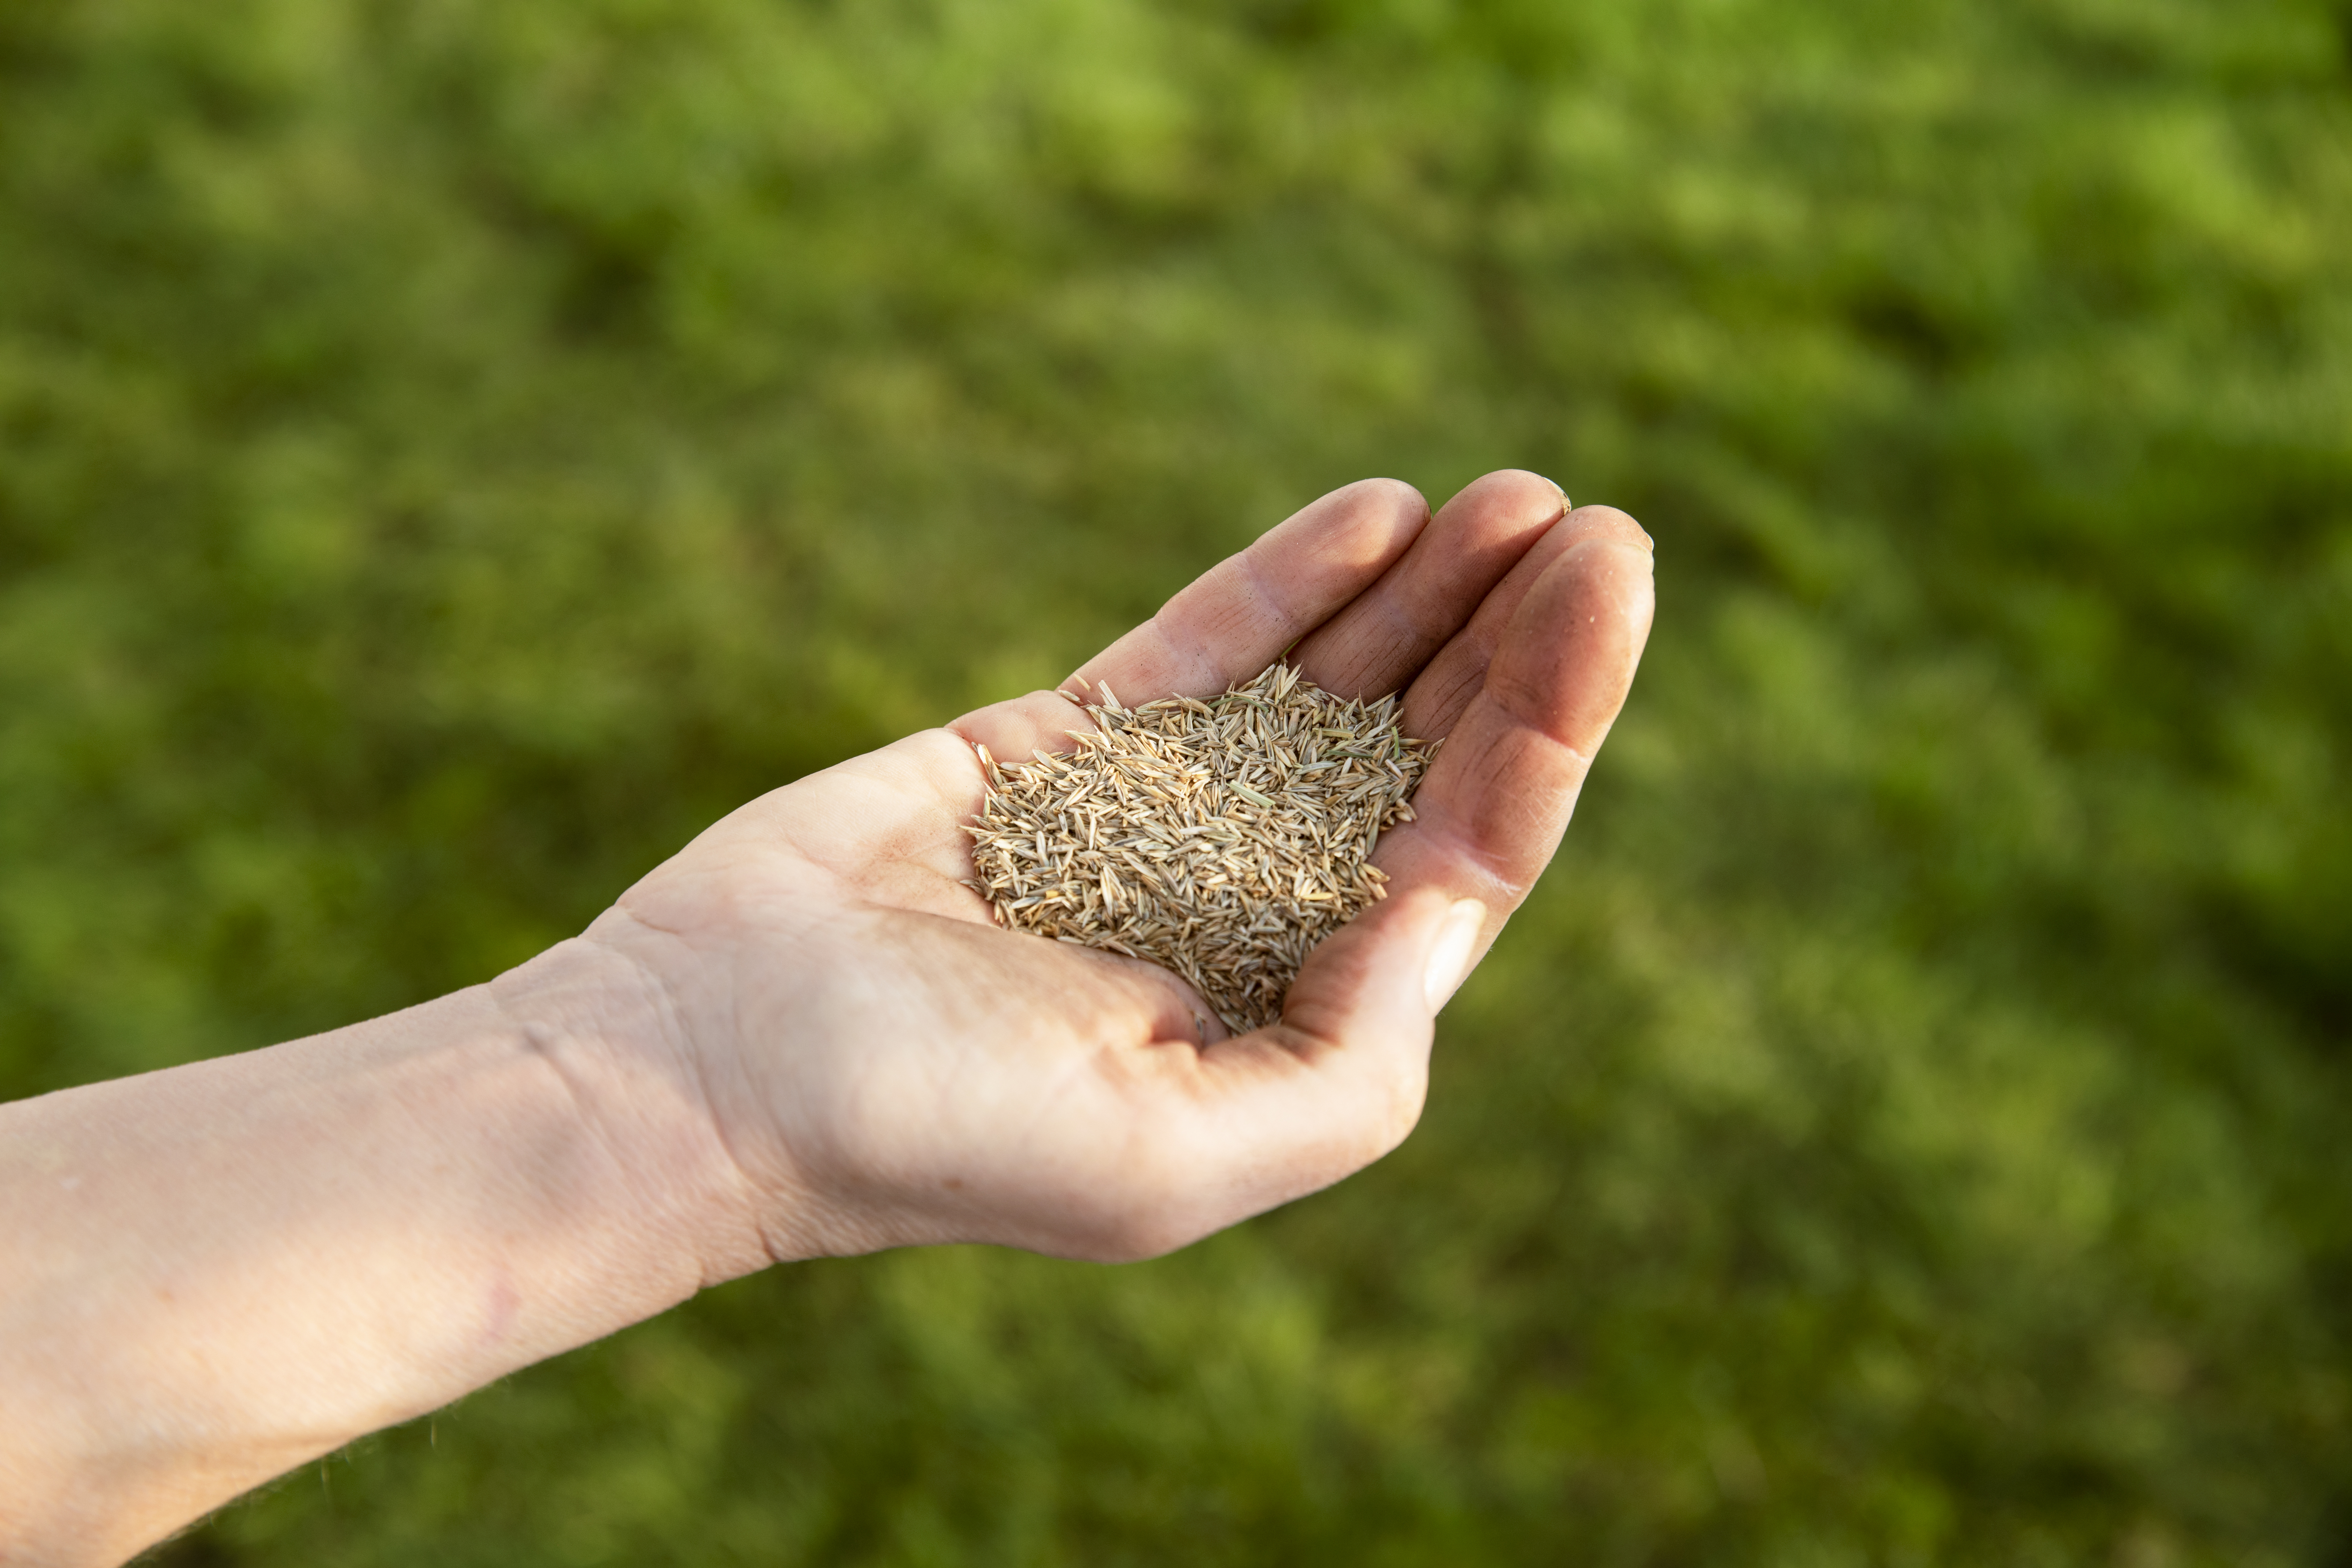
(1221,838)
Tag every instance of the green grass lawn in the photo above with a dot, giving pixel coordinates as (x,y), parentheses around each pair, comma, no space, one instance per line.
(449,454)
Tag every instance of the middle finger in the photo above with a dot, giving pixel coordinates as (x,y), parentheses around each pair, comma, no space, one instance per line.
(1383,638)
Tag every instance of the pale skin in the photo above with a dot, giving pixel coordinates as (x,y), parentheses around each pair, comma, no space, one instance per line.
(800,1036)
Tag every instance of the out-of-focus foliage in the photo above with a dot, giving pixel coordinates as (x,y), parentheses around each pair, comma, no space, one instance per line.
(448,453)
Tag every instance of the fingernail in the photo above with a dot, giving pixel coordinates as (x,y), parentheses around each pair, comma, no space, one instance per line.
(1449,954)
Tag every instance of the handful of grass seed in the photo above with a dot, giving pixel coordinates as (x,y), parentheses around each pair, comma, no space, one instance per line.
(1220,839)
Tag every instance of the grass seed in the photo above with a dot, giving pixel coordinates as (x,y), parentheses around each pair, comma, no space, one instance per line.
(1220,838)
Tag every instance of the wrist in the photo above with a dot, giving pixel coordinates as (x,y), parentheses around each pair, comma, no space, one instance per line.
(608,1027)
(727,1055)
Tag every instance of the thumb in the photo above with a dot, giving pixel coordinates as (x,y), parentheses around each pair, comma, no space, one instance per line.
(1341,1080)
(1376,985)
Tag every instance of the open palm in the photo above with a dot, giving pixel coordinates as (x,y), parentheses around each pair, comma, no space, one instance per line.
(884,1065)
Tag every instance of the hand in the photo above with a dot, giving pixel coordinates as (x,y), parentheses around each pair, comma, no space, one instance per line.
(883,1065)
(801,1035)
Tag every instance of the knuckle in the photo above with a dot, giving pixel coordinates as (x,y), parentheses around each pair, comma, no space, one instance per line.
(1404,495)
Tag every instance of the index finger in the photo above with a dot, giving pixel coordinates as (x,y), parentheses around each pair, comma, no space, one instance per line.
(1237,617)
(1230,623)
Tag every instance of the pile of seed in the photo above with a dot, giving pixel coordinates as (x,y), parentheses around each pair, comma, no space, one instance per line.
(1222,840)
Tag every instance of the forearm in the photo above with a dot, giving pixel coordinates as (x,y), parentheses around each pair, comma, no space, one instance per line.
(218,1271)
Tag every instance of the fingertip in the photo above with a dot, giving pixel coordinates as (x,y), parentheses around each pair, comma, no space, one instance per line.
(1517,491)
(1368,524)
(1405,499)
(1629,582)
(1606,522)
(1590,578)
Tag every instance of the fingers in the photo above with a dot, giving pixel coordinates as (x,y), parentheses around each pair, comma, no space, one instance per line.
(1239,617)
(1438,697)
(1493,807)
(1230,623)
(1340,1081)
(1381,640)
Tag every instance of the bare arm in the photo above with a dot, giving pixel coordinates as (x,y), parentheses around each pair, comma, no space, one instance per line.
(220,1271)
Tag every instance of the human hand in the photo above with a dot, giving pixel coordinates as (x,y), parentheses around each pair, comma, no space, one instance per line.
(882,1065)
(800,1035)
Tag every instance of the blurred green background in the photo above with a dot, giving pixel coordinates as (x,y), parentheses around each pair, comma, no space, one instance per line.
(450,453)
